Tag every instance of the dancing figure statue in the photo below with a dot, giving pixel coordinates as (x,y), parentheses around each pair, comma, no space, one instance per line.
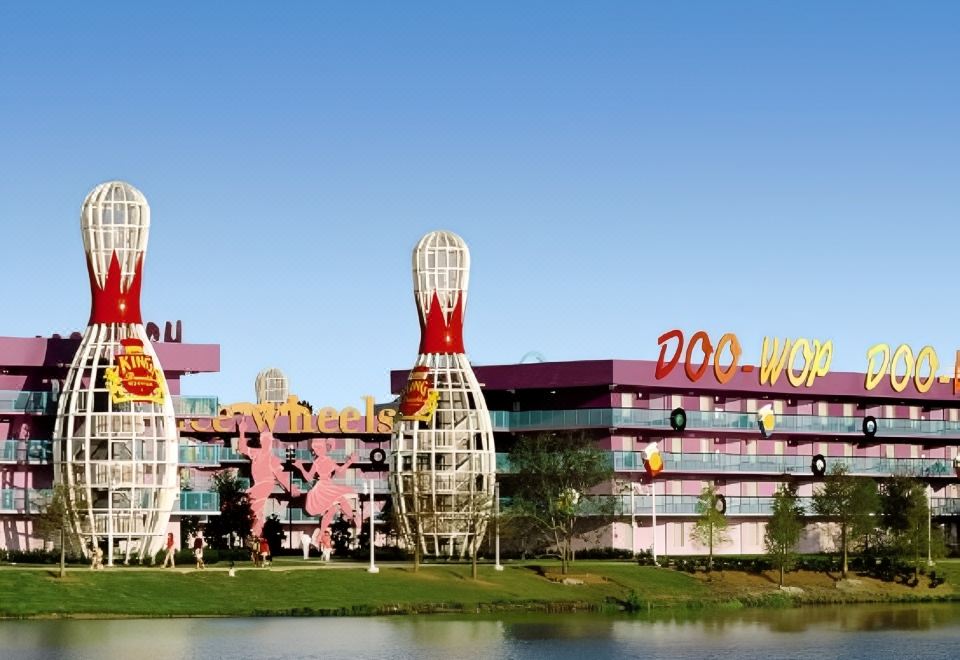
(266,469)
(324,496)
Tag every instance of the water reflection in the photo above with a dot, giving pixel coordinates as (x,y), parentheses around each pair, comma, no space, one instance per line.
(868,631)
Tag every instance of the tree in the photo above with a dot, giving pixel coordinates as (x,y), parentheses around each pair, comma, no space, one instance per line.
(784,527)
(904,512)
(478,509)
(552,473)
(849,501)
(711,526)
(236,516)
(189,526)
(52,523)
(273,533)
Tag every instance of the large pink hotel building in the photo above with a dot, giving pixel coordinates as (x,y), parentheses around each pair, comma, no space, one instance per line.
(876,425)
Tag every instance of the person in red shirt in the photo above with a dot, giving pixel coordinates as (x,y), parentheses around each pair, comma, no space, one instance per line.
(169,557)
(198,552)
(265,551)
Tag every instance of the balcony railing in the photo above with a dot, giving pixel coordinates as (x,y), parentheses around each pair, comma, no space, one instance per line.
(205,454)
(631,461)
(730,421)
(196,406)
(22,500)
(38,452)
(199,501)
(39,403)
(45,403)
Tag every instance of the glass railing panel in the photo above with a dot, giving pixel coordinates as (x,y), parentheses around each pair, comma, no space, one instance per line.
(195,406)
(39,451)
(723,420)
(8,451)
(228,454)
(200,454)
(199,501)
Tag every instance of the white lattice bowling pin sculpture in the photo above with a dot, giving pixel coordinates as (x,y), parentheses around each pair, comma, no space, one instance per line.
(115,439)
(442,461)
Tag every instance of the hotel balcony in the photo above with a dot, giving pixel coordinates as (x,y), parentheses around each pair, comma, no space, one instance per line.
(632,461)
(45,403)
(659,420)
(34,452)
(197,502)
(22,500)
(686,505)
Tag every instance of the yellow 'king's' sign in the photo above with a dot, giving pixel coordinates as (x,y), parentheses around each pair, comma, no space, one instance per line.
(134,377)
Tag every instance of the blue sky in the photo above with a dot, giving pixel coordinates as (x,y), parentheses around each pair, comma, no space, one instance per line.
(618,170)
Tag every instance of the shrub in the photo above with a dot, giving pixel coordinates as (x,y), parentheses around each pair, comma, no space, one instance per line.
(604,553)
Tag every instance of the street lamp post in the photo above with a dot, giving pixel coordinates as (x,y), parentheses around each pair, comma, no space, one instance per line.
(291,455)
(496,526)
(368,487)
(653,509)
(929,523)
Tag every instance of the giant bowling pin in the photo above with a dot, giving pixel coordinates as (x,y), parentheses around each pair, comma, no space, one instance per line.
(442,461)
(115,438)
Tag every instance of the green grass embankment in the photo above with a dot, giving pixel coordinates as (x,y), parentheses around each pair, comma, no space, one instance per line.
(128,592)
(131,592)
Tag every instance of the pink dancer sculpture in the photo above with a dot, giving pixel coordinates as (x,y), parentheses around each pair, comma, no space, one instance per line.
(325,495)
(266,468)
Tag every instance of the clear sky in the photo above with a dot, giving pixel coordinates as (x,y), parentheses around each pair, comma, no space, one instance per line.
(617,169)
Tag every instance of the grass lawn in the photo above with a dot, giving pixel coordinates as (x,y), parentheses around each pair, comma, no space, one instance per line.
(156,592)
(290,588)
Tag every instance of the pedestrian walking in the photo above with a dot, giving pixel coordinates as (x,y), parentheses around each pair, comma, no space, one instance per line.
(170,550)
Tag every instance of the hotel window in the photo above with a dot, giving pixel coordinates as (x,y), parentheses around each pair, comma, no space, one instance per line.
(888,411)
(823,409)
(676,446)
(778,407)
(914,451)
(888,451)
(680,535)
(848,410)
(749,489)
(626,400)
(676,401)
(751,405)
(706,403)
(954,415)
(848,450)
(822,448)
(778,448)
(751,447)
(914,412)
(705,446)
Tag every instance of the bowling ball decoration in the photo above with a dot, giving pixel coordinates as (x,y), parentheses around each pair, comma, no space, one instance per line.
(133,376)
(678,419)
(418,400)
(378,458)
(652,460)
(869,426)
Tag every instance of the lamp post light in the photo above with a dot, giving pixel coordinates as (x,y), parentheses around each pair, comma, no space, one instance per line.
(496,527)
(929,524)
(291,455)
(368,488)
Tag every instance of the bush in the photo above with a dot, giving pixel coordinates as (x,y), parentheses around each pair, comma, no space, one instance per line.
(604,553)
(386,553)
(38,557)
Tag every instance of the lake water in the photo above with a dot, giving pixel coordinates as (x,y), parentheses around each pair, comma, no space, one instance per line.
(869,631)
